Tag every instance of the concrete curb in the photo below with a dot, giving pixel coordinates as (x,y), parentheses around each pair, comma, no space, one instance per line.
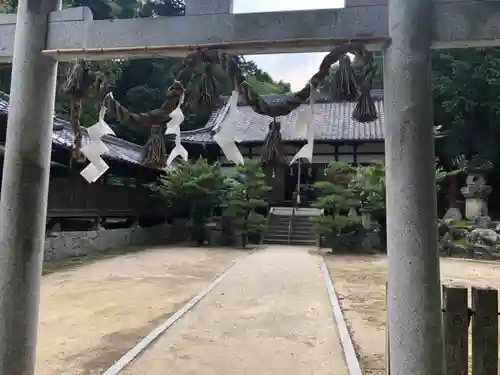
(133,353)
(345,338)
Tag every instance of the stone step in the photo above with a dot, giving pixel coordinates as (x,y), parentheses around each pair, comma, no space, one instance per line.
(302,221)
(293,243)
(277,235)
(282,234)
(303,225)
(304,243)
(302,233)
(285,222)
(279,220)
(276,242)
(277,229)
(302,228)
(303,237)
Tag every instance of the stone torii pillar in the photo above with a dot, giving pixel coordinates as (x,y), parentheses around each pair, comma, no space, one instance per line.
(25,186)
(414,293)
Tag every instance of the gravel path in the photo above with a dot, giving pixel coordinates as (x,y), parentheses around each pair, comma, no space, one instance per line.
(269,315)
(92,315)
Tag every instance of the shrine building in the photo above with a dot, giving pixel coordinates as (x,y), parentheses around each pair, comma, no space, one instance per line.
(337,137)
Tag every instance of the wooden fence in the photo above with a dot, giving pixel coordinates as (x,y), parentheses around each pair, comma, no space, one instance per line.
(479,323)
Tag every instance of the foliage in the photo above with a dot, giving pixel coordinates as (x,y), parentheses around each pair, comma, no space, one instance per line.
(140,84)
(111,179)
(368,183)
(466,92)
(354,187)
(193,188)
(466,85)
(247,192)
(336,198)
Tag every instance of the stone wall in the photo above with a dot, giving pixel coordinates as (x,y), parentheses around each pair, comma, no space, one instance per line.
(62,245)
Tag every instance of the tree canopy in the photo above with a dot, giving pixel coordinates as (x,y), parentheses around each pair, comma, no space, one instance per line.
(466,88)
(141,84)
(466,84)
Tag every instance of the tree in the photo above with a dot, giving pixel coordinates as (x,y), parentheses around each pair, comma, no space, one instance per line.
(354,187)
(193,188)
(337,199)
(368,183)
(140,84)
(247,192)
(466,88)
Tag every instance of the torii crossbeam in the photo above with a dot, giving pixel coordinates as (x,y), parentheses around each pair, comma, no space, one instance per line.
(405,29)
(457,24)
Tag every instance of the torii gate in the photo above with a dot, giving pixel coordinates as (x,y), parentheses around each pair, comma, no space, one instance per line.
(405,29)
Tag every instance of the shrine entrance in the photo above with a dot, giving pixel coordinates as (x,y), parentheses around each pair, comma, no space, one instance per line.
(45,34)
(300,178)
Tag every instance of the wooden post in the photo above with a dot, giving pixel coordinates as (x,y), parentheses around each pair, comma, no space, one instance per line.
(485,331)
(456,330)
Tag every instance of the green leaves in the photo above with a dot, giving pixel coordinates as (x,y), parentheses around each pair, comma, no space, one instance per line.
(334,224)
(247,192)
(466,88)
(193,186)
(351,187)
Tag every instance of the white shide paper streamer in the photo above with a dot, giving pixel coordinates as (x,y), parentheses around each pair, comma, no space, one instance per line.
(227,136)
(96,147)
(174,127)
(304,128)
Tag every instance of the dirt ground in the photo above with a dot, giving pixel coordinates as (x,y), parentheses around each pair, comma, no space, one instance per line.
(91,315)
(270,315)
(360,284)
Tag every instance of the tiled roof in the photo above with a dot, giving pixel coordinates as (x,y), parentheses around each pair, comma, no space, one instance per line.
(334,123)
(62,136)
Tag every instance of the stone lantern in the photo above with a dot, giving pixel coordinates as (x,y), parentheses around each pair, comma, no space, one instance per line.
(476,191)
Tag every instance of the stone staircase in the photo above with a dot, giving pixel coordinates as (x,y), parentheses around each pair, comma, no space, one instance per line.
(301,226)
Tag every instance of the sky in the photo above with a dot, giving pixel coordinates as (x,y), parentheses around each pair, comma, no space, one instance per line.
(295,68)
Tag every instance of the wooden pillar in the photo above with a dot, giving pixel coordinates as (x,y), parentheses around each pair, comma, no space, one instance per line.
(275,177)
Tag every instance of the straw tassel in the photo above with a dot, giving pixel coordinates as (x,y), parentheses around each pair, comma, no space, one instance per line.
(273,151)
(365,110)
(155,152)
(345,81)
(207,90)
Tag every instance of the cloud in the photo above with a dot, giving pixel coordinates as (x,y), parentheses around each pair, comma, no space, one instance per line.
(295,69)
(249,6)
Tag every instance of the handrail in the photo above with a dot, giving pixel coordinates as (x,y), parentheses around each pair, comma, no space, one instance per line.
(269,213)
(318,239)
(290,223)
